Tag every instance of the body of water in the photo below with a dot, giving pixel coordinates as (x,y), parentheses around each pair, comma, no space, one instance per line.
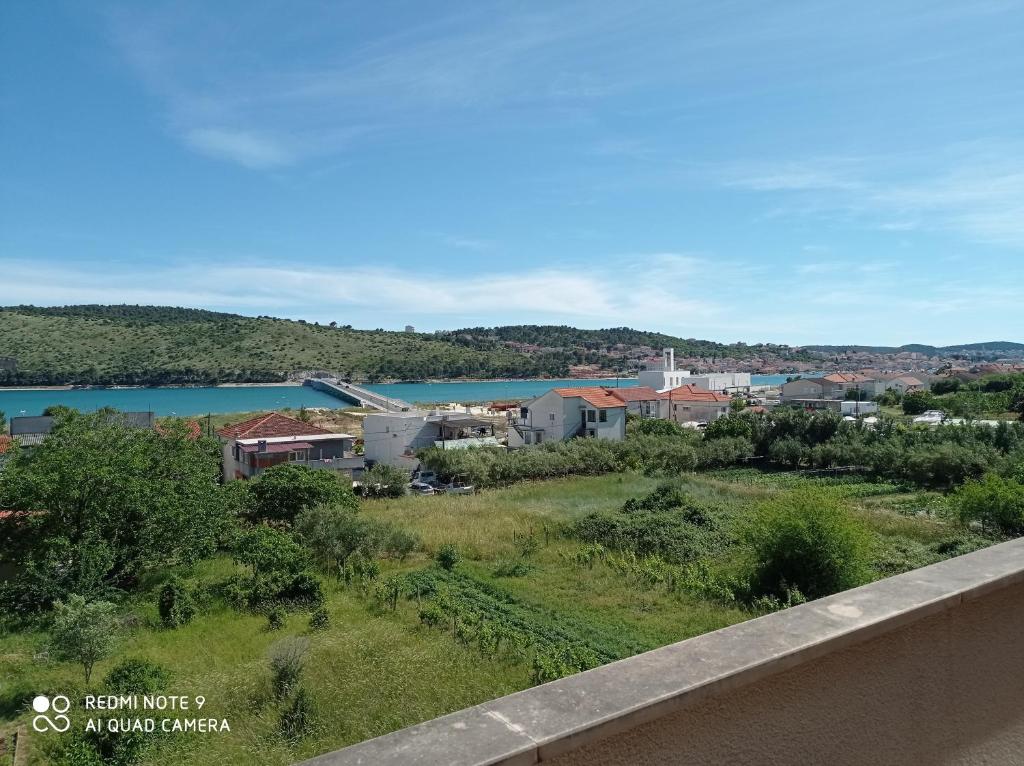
(200,401)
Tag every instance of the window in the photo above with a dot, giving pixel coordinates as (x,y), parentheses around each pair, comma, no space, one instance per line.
(591,416)
(527,438)
(538,437)
(603,416)
(551,417)
(524,412)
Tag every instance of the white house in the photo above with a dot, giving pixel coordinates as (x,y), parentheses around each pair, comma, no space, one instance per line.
(563,413)
(393,438)
(667,377)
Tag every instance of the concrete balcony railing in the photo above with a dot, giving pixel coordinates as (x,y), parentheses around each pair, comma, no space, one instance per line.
(923,668)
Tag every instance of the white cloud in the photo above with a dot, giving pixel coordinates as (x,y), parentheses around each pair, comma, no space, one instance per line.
(246,149)
(976,190)
(589,295)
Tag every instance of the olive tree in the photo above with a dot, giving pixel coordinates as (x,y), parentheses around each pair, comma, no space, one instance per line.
(83,631)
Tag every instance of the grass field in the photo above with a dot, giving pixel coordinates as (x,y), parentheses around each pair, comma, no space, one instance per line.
(373,670)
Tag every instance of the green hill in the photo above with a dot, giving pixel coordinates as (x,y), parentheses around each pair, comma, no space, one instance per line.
(160,345)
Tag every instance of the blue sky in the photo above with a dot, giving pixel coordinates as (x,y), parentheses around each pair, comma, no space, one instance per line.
(795,172)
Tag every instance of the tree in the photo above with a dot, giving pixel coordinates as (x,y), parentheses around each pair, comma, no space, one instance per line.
(84,632)
(385,481)
(105,502)
(281,492)
(945,386)
(787,452)
(332,534)
(277,570)
(916,402)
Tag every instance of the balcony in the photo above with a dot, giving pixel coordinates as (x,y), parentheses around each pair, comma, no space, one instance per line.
(923,668)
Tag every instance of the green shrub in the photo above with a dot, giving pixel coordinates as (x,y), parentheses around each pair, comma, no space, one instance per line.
(447,557)
(137,676)
(511,568)
(808,541)
(320,619)
(275,618)
(176,605)
(286,659)
(297,719)
(994,502)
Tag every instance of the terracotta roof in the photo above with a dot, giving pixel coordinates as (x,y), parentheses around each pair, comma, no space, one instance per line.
(846,377)
(910,380)
(271,424)
(594,395)
(691,392)
(634,394)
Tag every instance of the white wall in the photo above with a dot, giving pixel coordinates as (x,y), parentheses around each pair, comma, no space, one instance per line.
(802,388)
(698,412)
(387,438)
(720,381)
(662,379)
(560,418)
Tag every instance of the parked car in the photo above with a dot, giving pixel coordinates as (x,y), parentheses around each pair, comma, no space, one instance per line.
(457,488)
(421,488)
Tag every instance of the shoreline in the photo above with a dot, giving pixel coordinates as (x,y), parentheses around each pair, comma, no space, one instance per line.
(295,384)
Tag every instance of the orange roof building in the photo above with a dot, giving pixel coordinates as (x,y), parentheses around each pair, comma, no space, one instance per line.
(268,426)
(595,395)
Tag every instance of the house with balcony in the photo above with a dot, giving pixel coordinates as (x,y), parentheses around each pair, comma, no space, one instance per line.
(564,413)
(393,438)
(251,447)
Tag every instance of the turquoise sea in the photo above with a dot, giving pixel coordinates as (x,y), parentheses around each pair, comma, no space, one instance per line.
(200,401)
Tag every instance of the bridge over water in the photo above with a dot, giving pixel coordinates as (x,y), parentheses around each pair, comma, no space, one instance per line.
(357,395)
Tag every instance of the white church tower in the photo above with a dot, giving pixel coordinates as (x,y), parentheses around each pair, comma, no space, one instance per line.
(667,377)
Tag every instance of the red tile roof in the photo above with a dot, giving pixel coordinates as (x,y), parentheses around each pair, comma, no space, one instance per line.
(846,377)
(269,425)
(691,392)
(634,394)
(6,442)
(594,395)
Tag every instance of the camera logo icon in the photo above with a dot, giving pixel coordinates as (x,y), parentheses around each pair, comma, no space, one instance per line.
(59,705)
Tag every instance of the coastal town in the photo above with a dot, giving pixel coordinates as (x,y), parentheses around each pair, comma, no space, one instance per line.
(391,432)
(511,384)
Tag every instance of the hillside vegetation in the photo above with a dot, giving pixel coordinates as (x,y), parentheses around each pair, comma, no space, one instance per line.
(159,345)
